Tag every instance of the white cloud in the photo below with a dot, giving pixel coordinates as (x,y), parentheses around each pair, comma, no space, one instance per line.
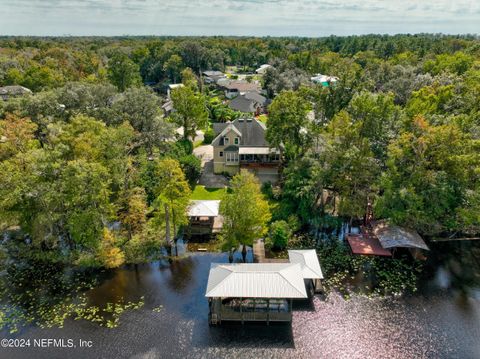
(248,17)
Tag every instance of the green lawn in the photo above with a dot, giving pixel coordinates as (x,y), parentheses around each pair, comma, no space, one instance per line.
(202,193)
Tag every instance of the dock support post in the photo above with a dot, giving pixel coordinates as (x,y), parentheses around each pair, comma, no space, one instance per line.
(268,311)
(291,309)
(241,309)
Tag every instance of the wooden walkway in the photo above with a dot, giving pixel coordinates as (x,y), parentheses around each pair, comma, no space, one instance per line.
(455,239)
(259,251)
(259,254)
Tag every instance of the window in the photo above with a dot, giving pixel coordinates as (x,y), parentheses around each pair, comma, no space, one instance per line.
(232,157)
(226,140)
(236,140)
(221,154)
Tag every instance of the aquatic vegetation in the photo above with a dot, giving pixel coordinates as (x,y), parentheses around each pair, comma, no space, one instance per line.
(158,309)
(47,295)
(373,276)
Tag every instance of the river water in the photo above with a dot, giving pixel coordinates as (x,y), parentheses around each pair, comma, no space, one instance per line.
(441,321)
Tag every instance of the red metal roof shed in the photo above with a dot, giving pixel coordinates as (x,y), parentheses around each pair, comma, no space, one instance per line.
(367,245)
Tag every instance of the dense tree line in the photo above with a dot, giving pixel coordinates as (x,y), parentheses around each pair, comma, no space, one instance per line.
(43,63)
(400,133)
(88,173)
(93,173)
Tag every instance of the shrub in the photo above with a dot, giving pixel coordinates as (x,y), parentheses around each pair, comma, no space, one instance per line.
(280,233)
(141,249)
(186,145)
(109,254)
(267,190)
(87,260)
(192,167)
(209,136)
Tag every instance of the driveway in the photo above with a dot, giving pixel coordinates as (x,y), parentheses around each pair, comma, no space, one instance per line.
(208,178)
(205,153)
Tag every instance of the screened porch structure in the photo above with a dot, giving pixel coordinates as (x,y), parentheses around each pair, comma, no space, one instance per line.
(260,155)
(254,291)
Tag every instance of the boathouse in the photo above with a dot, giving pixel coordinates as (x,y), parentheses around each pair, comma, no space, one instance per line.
(393,237)
(254,291)
(204,218)
(383,239)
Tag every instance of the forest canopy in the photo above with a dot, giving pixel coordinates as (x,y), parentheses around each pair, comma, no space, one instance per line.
(86,160)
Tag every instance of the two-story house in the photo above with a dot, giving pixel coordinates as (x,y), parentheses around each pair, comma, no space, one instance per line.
(242,144)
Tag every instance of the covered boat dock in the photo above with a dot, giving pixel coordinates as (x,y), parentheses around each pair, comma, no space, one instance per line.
(311,271)
(254,291)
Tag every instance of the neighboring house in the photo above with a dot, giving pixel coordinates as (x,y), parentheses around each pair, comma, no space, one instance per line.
(171,87)
(211,77)
(250,102)
(7,92)
(204,218)
(242,144)
(167,107)
(263,69)
(324,80)
(233,88)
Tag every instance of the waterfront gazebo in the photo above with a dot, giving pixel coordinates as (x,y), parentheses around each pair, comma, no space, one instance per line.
(254,291)
(311,271)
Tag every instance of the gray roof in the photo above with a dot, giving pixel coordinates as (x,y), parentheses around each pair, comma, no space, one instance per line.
(219,127)
(253,95)
(248,102)
(213,73)
(168,106)
(14,90)
(240,85)
(243,104)
(252,132)
(391,236)
(231,148)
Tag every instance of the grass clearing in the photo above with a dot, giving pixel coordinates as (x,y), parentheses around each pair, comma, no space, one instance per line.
(203,193)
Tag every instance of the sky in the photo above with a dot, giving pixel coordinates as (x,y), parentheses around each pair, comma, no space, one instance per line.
(311,18)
